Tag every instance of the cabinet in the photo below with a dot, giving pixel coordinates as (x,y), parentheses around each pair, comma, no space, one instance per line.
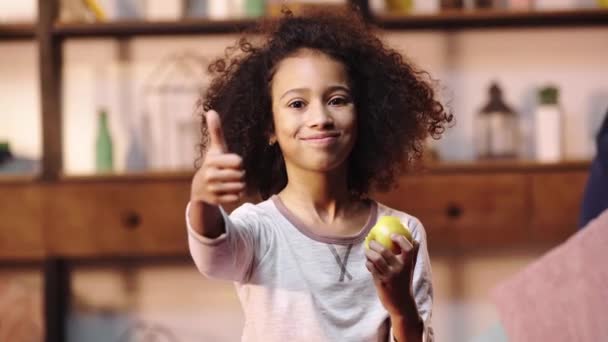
(104,218)
(21,220)
(493,206)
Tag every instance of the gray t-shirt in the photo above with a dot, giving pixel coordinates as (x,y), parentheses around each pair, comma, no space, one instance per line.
(295,285)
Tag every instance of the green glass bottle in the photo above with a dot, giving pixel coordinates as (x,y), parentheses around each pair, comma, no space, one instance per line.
(104,159)
(255,8)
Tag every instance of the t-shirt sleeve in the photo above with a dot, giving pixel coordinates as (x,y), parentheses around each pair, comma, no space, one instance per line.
(232,255)
(422,284)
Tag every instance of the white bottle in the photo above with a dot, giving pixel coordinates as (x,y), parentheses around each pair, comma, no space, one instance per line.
(548,127)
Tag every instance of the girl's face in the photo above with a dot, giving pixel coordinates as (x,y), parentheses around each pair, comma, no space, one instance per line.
(313,111)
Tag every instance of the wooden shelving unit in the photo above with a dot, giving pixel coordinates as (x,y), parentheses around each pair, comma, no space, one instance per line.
(147,28)
(488,19)
(456,200)
(17,31)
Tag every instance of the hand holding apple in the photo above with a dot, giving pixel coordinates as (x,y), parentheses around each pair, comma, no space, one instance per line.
(384,228)
(391,256)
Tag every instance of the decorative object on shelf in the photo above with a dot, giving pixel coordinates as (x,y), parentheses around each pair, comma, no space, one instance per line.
(137,160)
(452,4)
(170,93)
(274,7)
(5,151)
(481,4)
(255,8)
(548,126)
(74,11)
(9,163)
(399,7)
(496,128)
(125,9)
(104,154)
(98,12)
(544,5)
(220,9)
(195,8)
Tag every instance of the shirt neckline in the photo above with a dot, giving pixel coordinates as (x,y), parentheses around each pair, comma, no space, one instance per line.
(336,240)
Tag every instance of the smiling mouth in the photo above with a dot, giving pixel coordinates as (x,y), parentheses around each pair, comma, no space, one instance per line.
(322,139)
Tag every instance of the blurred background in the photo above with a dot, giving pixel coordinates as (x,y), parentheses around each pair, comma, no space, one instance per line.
(98,141)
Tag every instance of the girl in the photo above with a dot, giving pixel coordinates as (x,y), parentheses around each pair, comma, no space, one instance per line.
(312,115)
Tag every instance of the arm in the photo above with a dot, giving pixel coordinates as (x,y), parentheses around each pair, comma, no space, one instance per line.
(218,181)
(403,283)
(220,247)
(230,255)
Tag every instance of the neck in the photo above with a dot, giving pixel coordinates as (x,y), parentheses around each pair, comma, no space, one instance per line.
(323,193)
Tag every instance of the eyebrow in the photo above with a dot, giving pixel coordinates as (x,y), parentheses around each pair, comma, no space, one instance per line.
(330,89)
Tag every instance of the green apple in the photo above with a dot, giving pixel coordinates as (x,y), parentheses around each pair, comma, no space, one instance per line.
(383,229)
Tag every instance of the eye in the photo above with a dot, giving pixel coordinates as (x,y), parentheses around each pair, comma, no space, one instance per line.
(338,101)
(296,104)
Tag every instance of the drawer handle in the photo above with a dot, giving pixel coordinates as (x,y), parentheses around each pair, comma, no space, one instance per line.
(131,220)
(454,211)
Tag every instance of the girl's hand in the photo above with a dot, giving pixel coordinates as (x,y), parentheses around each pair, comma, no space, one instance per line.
(220,179)
(393,273)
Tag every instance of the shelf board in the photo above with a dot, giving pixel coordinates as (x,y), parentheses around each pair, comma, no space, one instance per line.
(125,29)
(490,166)
(493,19)
(160,176)
(17,31)
(441,167)
(11,178)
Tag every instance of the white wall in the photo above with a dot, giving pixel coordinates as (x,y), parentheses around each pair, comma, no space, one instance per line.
(20,98)
(464,62)
(521,61)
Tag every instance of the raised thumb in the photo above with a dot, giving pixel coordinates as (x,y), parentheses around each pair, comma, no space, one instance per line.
(216,134)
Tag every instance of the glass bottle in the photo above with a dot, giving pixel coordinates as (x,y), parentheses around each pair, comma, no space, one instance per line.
(104,159)
(548,126)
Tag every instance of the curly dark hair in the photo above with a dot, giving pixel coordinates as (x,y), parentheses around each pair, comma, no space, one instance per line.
(395,103)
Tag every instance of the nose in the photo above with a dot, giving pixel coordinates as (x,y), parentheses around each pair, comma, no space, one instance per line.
(320,116)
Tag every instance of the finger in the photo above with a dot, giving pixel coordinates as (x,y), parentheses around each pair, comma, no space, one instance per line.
(228,198)
(405,246)
(227,188)
(378,260)
(216,134)
(224,161)
(372,269)
(409,251)
(389,257)
(225,175)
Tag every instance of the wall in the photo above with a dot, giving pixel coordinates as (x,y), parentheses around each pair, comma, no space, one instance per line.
(463,62)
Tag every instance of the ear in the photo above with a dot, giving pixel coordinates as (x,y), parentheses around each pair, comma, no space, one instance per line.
(272,139)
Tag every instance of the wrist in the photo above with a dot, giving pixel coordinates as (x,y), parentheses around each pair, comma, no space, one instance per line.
(408,310)
(410,321)
(406,328)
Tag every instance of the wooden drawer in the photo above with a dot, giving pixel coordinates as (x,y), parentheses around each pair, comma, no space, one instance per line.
(118,218)
(556,204)
(468,210)
(21,221)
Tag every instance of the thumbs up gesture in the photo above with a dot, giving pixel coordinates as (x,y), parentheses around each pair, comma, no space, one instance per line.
(220,180)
